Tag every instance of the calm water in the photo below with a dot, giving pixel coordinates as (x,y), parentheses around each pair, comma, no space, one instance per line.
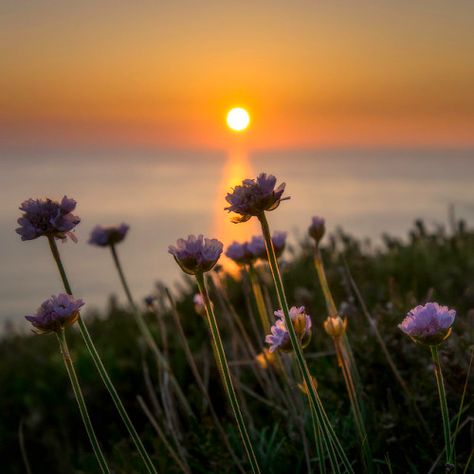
(168,195)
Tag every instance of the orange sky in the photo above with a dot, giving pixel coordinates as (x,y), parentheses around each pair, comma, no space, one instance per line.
(312,73)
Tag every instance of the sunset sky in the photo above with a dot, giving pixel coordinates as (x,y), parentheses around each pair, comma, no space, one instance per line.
(311,73)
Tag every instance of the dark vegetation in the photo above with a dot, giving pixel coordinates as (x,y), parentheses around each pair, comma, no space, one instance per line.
(430,265)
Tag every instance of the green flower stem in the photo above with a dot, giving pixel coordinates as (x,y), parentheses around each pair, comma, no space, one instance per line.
(199,381)
(80,401)
(319,441)
(257,293)
(355,406)
(443,403)
(313,397)
(346,363)
(318,263)
(146,333)
(225,373)
(100,366)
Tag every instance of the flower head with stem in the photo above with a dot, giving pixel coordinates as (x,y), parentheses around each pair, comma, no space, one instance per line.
(104,236)
(55,313)
(428,324)
(255,196)
(279,339)
(49,218)
(196,254)
(55,221)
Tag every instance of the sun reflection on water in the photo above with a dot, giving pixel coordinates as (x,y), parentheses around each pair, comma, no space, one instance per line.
(236,168)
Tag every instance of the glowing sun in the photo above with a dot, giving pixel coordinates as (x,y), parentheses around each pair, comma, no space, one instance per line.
(238,119)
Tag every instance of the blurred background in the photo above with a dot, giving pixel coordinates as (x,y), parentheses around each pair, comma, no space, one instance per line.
(365,110)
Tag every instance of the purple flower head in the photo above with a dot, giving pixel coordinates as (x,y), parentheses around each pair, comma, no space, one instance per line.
(56,313)
(428,324)
(259,250)
(317,228)
(254,196)
(240,253)
(104,236)
(196,254)
(279,337)
(45,217)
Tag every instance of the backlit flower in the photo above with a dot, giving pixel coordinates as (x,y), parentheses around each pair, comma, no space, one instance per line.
(254,196)
(108,235)
(46,217)
(257,247)
(240,253)
(280,338)
(56,313)
(196,254)
(317,228)
(428,324)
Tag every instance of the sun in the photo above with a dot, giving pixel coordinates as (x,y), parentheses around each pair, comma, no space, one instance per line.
(238,119)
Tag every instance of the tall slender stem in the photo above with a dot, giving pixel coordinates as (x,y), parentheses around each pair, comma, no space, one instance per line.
(260,302)
(225,373)
(313,397)
(200,383)
(330,303)
(146,333)
(319,441)
(80,401)
(100,366)
(347,364)
(443,403)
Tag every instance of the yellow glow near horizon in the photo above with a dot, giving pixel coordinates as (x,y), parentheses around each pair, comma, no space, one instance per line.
(238,119)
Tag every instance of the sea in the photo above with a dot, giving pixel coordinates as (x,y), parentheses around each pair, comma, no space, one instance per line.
(167,194)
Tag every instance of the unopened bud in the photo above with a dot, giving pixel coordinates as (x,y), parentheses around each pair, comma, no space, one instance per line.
(317,228)
(265,358)
(335,326)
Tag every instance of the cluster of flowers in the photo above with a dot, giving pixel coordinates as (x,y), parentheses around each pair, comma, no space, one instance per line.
(429,324)
(55,220)
(246,253)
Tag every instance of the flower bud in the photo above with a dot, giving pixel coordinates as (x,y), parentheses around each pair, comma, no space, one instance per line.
(265,359)
(317,228)
(335,326)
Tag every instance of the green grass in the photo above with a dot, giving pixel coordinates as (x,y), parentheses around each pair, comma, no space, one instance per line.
(392,277)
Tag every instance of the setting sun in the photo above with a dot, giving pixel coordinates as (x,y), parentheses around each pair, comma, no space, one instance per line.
(238,119)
